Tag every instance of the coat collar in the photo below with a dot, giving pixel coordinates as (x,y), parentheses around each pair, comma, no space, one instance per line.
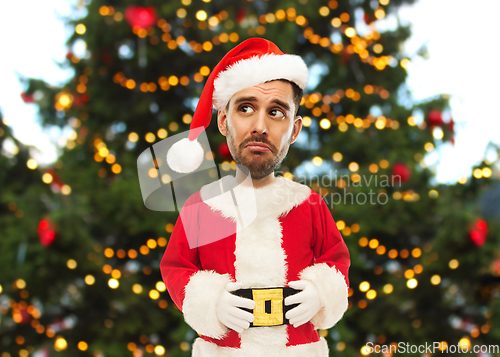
(248,203)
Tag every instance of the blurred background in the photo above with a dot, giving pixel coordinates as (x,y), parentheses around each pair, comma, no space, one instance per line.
(398,89)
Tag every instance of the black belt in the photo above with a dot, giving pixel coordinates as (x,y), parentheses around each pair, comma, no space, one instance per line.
(270,308)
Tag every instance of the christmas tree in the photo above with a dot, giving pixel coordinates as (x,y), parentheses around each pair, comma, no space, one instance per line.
(80,251)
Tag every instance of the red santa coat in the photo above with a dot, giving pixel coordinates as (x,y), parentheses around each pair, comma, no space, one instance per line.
(275,234)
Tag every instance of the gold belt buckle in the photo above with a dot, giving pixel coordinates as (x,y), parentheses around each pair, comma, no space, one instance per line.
(275,297)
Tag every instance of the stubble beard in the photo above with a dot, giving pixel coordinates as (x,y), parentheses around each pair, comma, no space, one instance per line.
(257,168)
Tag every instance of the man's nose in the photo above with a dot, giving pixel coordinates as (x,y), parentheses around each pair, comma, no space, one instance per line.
(259,124)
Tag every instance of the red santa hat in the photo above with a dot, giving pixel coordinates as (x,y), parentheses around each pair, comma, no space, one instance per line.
(252,62)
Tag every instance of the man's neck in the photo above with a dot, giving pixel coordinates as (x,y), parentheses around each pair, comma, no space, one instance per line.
(257,183)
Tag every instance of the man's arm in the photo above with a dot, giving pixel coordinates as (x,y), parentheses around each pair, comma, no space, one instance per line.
(195,291)
(329,274)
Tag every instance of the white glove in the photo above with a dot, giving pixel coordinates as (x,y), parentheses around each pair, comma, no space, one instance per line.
(308,300)
(229,312)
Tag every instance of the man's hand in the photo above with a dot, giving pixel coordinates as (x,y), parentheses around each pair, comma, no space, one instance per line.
(308,300)
(229,312)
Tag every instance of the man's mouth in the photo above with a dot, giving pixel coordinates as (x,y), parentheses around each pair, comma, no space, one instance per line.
(255,146)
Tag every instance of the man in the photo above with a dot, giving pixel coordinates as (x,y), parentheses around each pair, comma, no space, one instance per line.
(277,267)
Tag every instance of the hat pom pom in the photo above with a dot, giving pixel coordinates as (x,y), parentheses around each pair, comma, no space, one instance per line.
(185,155)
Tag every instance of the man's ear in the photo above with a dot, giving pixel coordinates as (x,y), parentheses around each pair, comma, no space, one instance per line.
(297,126)
(221,121)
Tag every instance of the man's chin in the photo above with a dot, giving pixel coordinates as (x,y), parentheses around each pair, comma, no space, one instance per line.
(255,171)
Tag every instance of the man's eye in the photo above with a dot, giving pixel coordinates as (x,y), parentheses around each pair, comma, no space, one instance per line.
(277,113)
(246,109)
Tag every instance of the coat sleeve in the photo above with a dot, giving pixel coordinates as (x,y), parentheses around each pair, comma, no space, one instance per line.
(195,291)
(329,273)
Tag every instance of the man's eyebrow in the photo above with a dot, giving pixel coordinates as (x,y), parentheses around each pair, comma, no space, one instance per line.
(283,104)
(254,99)
(245,99)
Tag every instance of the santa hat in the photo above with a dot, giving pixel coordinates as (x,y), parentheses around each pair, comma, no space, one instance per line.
(252,62)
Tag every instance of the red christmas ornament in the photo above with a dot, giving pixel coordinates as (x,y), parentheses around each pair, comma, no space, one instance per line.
(368,19)
(434,118)
(77,101)
(83,131)
(241,14)
(223,150)
(21,315)
(451,126)
(28,98)
(106,57)
(56,181)
(479,232)
(46,232)
(142,17)
(400,172)
(346,56)
(495,267)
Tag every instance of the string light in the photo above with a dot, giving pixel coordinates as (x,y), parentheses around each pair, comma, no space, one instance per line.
(364,286)
(405,63)
(336,22)
(113,283)
(486,172)
(159,350)
(71,263)
(371,294)
(353,166)
(373,243)
(80,29)
(363,242)
(388,288)
(412,283)
(82,346)
(350,32)
(201,15)
(317,161)
(325,124)
(60,344)
(324,11)
(89,280)
(379,13)
(160,286)
(154,294)
(20,284)
(435,279)
(365,350)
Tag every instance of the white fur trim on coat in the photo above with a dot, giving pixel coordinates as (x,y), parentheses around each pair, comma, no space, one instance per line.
(201,295)
(256,70)
(271,201)
(202,348)
(333,293)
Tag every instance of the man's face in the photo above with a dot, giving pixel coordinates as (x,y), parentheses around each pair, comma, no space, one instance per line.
(260,125)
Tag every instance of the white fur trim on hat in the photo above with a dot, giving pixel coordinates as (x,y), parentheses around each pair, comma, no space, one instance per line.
(185,156)
(256,70)
(333,293)
(202,293)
